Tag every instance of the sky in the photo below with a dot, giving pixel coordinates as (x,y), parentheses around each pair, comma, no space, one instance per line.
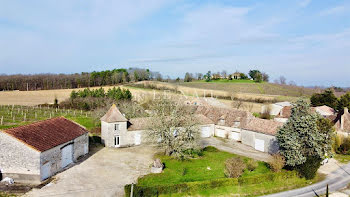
(307,41)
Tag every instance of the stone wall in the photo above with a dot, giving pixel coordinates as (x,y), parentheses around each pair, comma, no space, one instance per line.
(228,132)
(17,157)
(54,155)
(270,142)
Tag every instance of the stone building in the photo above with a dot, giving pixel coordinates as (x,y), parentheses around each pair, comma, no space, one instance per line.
(117,131)
(242,126)
(236,125)
(35,152)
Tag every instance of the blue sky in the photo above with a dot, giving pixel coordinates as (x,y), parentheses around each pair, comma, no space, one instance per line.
(306,41)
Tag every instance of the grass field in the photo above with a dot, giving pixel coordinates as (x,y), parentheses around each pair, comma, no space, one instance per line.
(13,116)
(210,167)
(342,158)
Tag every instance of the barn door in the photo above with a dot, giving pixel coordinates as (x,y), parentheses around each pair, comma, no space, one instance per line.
(137,138)
(205,132)
(45,171)
(67,155)
(259,145)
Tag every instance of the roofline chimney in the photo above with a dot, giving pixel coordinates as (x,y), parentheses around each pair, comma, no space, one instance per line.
(342,119)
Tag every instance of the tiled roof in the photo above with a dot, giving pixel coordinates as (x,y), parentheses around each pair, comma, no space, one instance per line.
(269,127)
(230,115)
(285,112)
(324,110)
(136,124)
(47,134)
(113,115)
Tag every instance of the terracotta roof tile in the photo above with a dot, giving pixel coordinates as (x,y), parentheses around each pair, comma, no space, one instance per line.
(47,134)
(114,115)
(269,127)
(230,115)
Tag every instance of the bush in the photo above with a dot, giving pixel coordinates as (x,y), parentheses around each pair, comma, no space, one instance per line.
(277,163)
(310,167)
(210,149)
(338,141)
(234,167)
(252,165)
(344,148)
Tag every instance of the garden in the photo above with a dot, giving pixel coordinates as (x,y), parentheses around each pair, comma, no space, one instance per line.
(213,172)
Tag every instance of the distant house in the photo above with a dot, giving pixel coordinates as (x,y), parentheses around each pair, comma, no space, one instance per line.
(35,152)
(236,75)
(284,114)
(342,122)
(324,111)
(275,109)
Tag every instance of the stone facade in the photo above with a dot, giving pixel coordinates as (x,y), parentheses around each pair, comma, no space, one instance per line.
(24,164)
(54,155)
(116,134)
(17,159)
(249,138)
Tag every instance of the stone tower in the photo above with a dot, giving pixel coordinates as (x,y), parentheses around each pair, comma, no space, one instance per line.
(114,128)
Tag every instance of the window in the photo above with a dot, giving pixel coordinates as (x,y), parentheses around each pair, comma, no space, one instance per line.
(116,141)
(116,127)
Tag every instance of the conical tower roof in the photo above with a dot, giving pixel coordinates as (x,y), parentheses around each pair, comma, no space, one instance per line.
(114,115)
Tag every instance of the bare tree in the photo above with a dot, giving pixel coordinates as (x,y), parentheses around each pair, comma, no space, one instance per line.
(224,74)
(282,80)
(173,127)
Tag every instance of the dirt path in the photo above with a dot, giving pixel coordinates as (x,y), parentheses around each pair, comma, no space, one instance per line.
(103,174)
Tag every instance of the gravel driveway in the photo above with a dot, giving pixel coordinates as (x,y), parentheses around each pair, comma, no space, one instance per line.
(103,174)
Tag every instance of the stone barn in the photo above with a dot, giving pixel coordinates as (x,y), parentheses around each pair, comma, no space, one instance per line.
(35,152)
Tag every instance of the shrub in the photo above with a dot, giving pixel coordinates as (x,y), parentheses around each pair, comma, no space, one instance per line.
(277,163)
(252,165)
(344,148)
(210,149)
(234,167)
(338,140)
(310,167)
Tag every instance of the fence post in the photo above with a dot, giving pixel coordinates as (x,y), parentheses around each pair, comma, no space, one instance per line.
(2,119)
(132,190)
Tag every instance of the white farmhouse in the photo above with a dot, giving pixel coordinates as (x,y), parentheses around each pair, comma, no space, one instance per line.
(35,152)
(235,125)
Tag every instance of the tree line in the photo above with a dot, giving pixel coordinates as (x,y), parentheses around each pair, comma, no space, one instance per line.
(91,99)
(77,80)
(328,98)
(256,75)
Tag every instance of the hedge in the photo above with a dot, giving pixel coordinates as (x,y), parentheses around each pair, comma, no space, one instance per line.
(140,190)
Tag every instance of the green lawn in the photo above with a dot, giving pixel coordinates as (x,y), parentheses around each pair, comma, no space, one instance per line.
(342,158)
(210,167)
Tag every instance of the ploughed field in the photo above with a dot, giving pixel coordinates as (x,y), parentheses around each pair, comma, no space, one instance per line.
(204,176)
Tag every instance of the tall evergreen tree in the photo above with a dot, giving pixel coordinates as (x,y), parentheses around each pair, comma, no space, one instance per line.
(305,140)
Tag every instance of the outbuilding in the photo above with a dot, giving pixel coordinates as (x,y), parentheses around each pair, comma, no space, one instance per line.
(35,152)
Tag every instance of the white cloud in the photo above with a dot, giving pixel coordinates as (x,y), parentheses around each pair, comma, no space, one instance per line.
(341,9)
(304,3)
